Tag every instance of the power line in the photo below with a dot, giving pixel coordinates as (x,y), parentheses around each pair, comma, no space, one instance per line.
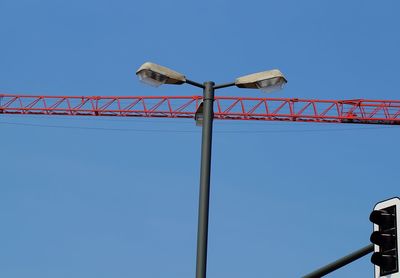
(194,131)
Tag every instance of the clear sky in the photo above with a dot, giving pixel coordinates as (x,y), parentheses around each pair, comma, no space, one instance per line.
(286,198)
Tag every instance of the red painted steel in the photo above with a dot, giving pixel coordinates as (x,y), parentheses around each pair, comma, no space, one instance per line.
(226,108)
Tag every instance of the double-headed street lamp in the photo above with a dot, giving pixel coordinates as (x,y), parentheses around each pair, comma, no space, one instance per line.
(156,75)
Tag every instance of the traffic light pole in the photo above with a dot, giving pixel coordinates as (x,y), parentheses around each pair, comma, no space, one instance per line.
(341,262)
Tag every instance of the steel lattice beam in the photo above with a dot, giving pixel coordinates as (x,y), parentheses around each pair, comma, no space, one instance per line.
(226,108)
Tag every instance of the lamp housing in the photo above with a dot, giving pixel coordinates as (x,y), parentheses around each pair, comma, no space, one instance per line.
(156,75)
(267,81)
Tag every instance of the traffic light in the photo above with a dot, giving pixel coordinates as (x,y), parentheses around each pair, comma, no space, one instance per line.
(386,246)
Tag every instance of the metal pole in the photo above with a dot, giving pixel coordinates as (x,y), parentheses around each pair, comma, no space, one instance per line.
(341,262)
(204,196)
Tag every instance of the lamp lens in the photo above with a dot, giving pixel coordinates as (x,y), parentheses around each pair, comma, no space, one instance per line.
(152,78)
(271,84)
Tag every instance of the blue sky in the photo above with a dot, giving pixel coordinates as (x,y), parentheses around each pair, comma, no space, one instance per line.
(286,198)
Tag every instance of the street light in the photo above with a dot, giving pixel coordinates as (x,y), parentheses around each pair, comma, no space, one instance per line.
(267,81)
(156,75)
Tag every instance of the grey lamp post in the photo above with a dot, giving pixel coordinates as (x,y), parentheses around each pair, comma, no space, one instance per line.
(155,75)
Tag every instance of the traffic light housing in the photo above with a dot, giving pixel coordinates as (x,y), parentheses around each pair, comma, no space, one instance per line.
(384,237)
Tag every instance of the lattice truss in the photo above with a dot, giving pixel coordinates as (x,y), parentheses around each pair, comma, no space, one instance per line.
(225,108)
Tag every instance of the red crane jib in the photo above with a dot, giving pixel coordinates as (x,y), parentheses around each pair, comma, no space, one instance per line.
(361,111)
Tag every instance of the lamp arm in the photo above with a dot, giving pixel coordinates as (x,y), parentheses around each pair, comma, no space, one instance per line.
(224,85)
(193,83)
(188,81)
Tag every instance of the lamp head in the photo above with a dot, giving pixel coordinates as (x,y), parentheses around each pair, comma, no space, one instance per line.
(156,75)
(267,81)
